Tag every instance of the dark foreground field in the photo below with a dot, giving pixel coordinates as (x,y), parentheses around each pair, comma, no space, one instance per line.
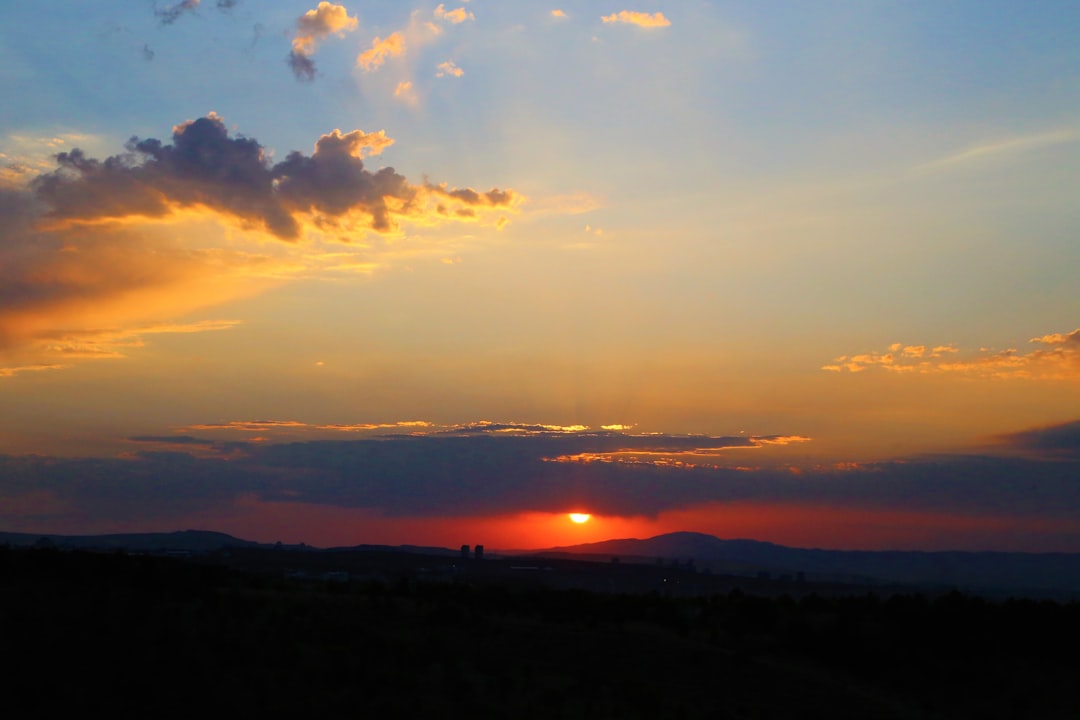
(146,636)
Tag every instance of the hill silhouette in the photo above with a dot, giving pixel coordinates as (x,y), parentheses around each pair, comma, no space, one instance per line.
(1056,574)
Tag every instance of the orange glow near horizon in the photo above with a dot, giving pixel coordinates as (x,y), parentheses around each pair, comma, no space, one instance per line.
(785,524)
(580,518)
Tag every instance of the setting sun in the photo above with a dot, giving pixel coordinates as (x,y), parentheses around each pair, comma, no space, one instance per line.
(580,517)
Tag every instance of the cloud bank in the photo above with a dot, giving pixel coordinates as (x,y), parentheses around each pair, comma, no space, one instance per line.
(93,258)
(481,470)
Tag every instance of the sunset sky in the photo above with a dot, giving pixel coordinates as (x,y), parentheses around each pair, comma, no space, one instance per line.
(436,274)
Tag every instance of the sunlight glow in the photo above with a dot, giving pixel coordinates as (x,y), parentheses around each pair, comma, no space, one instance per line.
(580,517)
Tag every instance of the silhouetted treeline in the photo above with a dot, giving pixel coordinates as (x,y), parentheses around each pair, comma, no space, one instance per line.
(159,637)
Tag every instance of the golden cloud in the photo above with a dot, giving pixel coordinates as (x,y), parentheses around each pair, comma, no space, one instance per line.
(454,17)
(1058,360)
(95,254)
(380,50)
(311,28)
(325,20)
(641,19)
(448,68)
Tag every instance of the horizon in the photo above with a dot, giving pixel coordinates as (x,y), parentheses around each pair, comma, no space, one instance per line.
(360,272)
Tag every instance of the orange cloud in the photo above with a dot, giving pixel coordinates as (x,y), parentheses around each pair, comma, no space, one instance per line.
(558,13)
(110,343)
(448,68)
(325,20)
(380,50)
(454,17)
(12,371)
(675,451)
(97,255)
(1058,360)
(405,93)
(311,28)
(641,19)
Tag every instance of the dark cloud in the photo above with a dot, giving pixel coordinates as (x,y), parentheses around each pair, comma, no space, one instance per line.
(171,439)
(147,53)
(333,181)
(205,167)
(1055,440)
(487,473)
(173,13)
(303,67)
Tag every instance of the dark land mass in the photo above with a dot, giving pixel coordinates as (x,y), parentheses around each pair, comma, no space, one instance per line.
(994,574)
(378,632)
(991,574)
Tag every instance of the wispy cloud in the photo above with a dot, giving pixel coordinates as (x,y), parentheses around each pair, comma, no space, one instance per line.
(1006,147)
(12,371)
(102,344)
(172,13)
(448,68)
(1058,358)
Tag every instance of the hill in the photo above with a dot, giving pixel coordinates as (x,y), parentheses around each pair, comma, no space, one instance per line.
(1040,574)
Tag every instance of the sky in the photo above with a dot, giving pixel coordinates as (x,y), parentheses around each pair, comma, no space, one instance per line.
(443,273)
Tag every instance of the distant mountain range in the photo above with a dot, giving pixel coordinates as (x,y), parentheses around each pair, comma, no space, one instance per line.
(993,572)
(193,541)
(189,540)
(996,573)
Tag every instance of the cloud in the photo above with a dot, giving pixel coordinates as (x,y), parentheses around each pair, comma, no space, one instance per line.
(641,19)
(303,67)
(1062,440)
(174,12)
(1059,359)
(448,68)
(1010,146)
(405,93)
(495,473)
(12,371)
(97,256)
(312,28)
(94,290)
(331,190)
(113,343)
(292,426)
(454,17)
(381,49)
(558,14)
(171,439)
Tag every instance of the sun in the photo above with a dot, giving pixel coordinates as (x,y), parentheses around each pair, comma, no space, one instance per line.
(580,517)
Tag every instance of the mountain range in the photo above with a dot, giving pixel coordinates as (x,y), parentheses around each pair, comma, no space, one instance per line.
(997,573)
